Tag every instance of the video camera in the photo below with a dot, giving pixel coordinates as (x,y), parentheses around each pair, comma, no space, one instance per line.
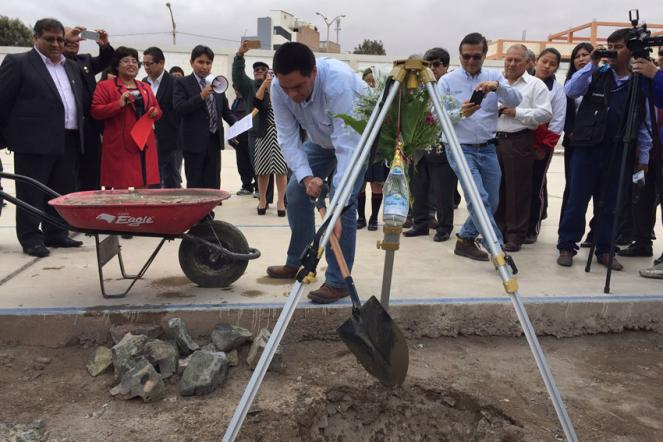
(639,40)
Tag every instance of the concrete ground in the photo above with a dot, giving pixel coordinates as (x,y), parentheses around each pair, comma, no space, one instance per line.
(425,271)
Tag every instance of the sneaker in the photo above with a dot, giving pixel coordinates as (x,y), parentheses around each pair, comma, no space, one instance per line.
(565,258)
(655,272)
(242,192)
(635,249)
(469,248)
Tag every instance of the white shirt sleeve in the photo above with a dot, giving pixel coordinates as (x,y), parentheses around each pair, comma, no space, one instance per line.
(541,110)
(558,104)
(287,129)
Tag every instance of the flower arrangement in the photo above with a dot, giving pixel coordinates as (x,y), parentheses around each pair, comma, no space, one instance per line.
(412,108)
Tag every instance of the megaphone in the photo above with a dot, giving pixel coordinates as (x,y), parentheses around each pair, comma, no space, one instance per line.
(219,83)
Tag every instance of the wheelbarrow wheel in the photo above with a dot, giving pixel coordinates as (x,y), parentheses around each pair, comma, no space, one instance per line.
(207,267)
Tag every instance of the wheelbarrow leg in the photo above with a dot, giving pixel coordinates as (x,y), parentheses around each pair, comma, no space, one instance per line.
(110,247)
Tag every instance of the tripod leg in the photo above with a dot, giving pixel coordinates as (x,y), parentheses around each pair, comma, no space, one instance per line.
(342,194)
(500,261)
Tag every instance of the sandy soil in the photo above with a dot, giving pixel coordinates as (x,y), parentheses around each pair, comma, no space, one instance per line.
(468,388)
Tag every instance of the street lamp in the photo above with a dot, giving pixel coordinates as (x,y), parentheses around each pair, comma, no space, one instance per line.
(330,22)
(172,19)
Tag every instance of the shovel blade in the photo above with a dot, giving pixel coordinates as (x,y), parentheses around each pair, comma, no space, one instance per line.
(377,342)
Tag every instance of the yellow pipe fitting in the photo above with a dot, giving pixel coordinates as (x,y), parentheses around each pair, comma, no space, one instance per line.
(511,286)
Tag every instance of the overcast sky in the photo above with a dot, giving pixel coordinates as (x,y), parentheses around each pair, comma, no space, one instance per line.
(404,27)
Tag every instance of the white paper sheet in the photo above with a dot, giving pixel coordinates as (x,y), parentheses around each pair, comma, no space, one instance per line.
(239,127)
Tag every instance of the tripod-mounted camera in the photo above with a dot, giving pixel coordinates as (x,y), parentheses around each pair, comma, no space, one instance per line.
(639,42)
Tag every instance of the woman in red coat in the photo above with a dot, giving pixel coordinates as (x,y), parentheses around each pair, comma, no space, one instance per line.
(119,103)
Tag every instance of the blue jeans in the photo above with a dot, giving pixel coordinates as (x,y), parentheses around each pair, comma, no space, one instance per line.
(485,170)
(301,216)
(587,169)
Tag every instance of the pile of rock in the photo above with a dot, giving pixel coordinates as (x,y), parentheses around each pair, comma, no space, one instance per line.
(141,361)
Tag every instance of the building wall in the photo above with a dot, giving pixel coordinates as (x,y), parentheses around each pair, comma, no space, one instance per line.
(310,37)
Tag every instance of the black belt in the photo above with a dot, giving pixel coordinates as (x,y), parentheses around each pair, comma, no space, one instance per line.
(487,143)
(505,135)
(71,131)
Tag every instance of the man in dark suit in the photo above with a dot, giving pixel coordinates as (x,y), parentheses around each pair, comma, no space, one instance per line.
(166,127)
(42,113)
(89,159)
(201,128)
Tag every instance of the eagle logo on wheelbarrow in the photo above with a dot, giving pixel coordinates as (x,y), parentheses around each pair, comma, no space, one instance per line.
(106,217)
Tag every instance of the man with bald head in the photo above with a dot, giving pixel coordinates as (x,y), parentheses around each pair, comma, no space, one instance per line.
(515,136)
(88,172)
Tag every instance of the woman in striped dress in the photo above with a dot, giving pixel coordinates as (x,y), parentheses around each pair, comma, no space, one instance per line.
(268,157)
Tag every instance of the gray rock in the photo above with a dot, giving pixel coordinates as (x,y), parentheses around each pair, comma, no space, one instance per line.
(177,328)
(205,372)
(182,364)
(142,380)
(43,360)
(162,355)
(233,358)
(229,337)
(209,347)
(257,348)
(32,432)
(117,332)
(125,351)
(101,360)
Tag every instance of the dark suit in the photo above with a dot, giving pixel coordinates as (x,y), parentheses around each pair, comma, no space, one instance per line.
(166,132)
(89,161)
(32,114)
(202,156)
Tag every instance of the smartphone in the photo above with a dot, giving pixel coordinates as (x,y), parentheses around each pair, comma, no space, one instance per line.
(90,35)
(477,97)
(253,44)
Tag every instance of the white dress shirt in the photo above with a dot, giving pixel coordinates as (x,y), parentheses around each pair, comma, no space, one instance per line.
(63,85)
(154,84)
(534,109)
(558,104)
(480,127)
(335,90)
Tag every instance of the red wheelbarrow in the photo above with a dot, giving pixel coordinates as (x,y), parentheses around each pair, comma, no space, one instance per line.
(212,253)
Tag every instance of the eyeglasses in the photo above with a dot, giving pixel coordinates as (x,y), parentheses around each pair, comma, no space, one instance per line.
(475,57)
(51,40)
(126,61)
(436,64)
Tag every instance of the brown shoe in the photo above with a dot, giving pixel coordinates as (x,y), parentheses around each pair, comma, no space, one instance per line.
(604,259)
(565,258)
(468,248)
(511,246)
(282,272)
(327,294)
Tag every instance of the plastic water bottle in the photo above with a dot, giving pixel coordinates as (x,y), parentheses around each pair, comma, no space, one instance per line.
(396,194)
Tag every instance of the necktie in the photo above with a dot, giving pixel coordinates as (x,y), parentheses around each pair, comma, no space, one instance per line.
(211,108)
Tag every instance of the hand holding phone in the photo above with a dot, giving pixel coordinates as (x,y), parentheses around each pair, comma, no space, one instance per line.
(477,97)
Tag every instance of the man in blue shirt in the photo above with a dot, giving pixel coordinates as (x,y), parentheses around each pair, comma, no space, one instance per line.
(648,69)
(476,125)
(309,94)
(598,148)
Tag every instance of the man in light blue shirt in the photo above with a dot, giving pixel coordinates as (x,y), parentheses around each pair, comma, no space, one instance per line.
(308,94)
(476,125)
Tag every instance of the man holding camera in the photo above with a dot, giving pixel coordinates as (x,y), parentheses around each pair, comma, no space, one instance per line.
(648,69)
(476,125)
(90,157)
(597,143)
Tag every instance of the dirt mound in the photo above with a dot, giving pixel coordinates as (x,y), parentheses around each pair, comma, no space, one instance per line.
(376,413)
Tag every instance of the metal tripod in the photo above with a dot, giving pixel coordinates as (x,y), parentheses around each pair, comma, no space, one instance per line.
(415,73)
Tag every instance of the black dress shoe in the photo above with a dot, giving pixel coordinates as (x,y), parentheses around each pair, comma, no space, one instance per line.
(415,232)
(63,242)
(441,237)
(372,225)
(658,260)
(635,249)
(361,223)
(38,250)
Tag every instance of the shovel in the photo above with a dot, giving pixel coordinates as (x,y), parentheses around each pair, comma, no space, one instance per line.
(370,333)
